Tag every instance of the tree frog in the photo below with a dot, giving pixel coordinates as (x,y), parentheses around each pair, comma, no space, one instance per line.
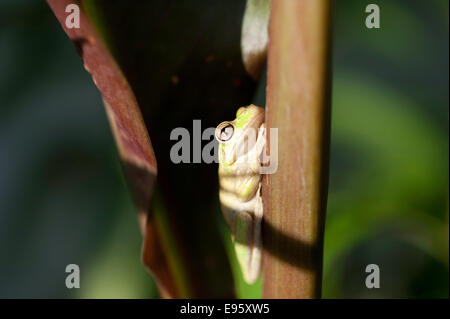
(241,143)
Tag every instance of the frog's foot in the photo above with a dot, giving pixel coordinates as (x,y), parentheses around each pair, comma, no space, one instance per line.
(261,140)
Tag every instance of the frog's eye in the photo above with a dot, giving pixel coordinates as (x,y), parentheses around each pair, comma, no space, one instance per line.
(224,132)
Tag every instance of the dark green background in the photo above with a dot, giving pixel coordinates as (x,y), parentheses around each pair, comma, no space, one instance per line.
(63,198)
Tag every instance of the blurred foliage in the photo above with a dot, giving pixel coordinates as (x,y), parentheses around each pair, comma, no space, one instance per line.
(388,198)
(63,198)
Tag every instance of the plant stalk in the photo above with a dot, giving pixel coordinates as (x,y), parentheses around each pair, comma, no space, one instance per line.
(298,105)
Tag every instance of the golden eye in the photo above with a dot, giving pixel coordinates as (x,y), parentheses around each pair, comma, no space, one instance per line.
(224,132)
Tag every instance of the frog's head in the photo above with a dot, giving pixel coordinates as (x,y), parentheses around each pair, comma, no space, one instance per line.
(239,136)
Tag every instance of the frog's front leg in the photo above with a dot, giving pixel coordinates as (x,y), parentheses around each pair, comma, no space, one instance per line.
(261,139)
